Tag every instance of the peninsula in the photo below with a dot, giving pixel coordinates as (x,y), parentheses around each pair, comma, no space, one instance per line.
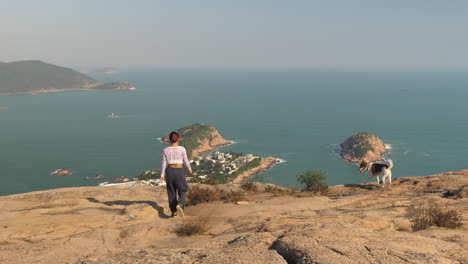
(34,77)
(362,146)
(218,167)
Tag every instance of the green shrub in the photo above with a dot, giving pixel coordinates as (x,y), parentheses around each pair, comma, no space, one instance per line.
(314,181)
(432,213)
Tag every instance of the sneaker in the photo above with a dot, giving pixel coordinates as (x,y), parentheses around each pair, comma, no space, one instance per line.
(180,210)
(174,214)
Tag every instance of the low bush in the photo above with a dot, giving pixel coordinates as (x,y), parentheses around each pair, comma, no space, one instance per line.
(314,181)
(433,213)
(199,194)
(232,196)
(190,227)
(277,191)
(249,186)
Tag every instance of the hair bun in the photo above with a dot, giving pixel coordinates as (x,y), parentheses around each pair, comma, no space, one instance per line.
(174,137)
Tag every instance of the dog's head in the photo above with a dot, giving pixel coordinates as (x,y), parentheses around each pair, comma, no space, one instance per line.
(363,166)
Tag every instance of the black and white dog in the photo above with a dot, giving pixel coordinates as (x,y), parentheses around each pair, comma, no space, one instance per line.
(377,169)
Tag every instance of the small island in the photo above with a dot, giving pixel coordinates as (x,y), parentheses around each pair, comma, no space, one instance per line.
(362,146)
(61,172)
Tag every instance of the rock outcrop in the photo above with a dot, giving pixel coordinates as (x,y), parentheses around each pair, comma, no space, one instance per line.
(61,172)
(356,223)
(362,146)
(199,138)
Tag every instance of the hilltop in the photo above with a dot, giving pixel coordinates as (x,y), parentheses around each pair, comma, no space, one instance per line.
(362,146)
(359,223)
(32,77)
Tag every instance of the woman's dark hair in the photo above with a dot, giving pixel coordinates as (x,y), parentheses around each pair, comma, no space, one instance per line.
(174,137)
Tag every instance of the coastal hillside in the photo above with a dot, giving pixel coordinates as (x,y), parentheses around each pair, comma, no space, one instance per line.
(358,223)
(362,146)
(198,138)
(31,77)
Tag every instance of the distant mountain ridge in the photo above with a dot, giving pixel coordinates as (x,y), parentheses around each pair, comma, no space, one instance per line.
(35,76)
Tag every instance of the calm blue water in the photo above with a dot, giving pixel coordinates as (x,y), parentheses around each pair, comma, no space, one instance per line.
(296,115)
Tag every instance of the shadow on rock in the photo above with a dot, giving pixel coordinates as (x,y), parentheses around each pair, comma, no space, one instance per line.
(368,186)
(127,203)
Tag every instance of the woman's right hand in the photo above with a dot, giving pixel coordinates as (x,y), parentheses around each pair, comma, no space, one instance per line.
(162,179)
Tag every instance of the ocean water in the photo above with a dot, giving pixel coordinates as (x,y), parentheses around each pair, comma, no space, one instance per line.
(296,115)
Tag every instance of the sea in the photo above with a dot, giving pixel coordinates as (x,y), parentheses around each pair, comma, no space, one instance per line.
(297,115)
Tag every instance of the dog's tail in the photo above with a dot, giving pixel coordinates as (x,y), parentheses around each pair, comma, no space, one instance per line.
(390,164)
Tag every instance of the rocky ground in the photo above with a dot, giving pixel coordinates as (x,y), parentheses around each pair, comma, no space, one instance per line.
(359,223)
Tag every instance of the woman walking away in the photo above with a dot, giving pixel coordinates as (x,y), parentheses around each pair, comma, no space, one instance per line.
(172,171)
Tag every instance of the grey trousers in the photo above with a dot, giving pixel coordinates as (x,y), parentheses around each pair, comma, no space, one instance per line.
(176,185)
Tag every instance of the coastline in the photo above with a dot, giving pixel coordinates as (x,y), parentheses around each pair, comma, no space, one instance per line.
(210,147)
(43,91)
(265,164)
(55,90)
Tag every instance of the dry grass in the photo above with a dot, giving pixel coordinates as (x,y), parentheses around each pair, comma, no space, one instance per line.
(277,191)
(199,194)
(232,196)
(249,186)
(124,234)
(191,227)
(433,213)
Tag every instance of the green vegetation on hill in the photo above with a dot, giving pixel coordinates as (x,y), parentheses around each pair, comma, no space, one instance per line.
(192,135)
(358,145)
(30,76)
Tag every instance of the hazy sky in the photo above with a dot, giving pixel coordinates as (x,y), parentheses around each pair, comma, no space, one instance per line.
(236,33)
